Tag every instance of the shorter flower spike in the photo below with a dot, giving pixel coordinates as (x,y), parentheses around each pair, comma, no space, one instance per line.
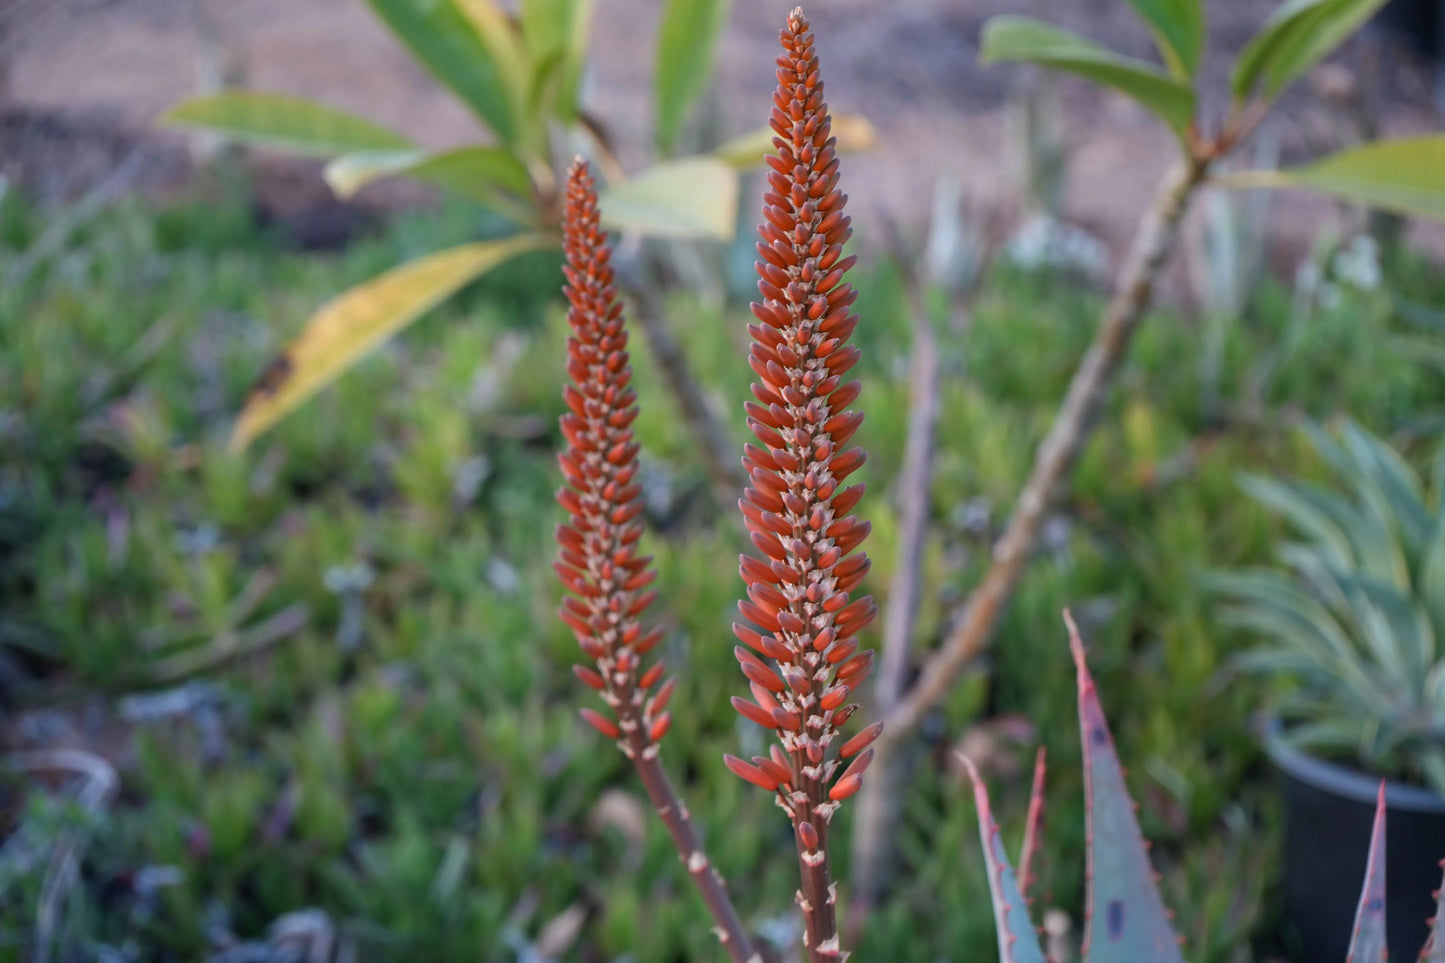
(597,556)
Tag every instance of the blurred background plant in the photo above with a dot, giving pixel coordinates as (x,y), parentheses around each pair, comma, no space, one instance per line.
(1357,611)
(327,674)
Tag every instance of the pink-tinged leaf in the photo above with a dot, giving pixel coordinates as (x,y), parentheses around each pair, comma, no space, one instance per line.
(1018,942)
(1126,919)
(1434,951)
(1034,828)
(1368,943)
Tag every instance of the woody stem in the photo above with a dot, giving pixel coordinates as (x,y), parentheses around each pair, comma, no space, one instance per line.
(675,816)
(817,899)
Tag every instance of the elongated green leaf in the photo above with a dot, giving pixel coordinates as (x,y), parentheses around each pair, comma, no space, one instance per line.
(696,197)
(1178,29)
(1431,587)
(558,29)
(502,37)
(1399,175)
(1298,35)
(444,39)
(281,121)
(1127,921)
(474,172)
(685,44)
(1018,942)
(1367,945)
(353,323)
(852,132)
(1023,38)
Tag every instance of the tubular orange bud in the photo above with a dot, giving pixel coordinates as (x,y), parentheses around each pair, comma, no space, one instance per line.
(600,722)
(660,725)
(650,677)
(589,677)
(861,741)
(750,772)
(659,701)
(845,787)
(754,713)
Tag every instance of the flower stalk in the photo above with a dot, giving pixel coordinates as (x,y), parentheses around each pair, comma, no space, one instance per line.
(800,651)
(598,560)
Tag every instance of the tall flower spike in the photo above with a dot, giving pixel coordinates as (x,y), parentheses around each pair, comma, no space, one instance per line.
(803,658)
(597,548)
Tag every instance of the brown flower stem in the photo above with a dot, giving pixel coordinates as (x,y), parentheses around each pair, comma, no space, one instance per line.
(709,882)
(1153,244)
(817,899)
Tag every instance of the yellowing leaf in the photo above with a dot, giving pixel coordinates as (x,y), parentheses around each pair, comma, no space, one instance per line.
(696,197)
(282,121)
(1405,175)
(355,322)
(852,132)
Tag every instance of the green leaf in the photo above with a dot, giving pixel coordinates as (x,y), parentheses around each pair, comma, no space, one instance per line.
(355,322)
(1178,29)
(1403,175)
(282,121)
(1007,38)
(696,197)
(1298,35)
(852,132)
(474,172)
(1018,941)
(444,39)
(558,28)
(685,44)
(1126,920)
(502,38)
(1367,940)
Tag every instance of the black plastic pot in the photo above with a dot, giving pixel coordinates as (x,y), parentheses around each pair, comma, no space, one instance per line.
(1329,811)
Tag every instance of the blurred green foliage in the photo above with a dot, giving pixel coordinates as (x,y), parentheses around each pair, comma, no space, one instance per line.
(389,730)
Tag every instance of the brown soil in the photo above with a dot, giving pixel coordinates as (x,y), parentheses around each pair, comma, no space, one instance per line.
(87,78)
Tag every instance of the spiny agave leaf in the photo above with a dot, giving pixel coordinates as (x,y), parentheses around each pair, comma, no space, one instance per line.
(1368,943)
(358,320)
(1011,37)
(1434,949)
(281,121)
(1034,827)
(1126,919)
(1018,942)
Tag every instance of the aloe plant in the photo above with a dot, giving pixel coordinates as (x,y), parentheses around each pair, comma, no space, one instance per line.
(1355,615)
(1127,921)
